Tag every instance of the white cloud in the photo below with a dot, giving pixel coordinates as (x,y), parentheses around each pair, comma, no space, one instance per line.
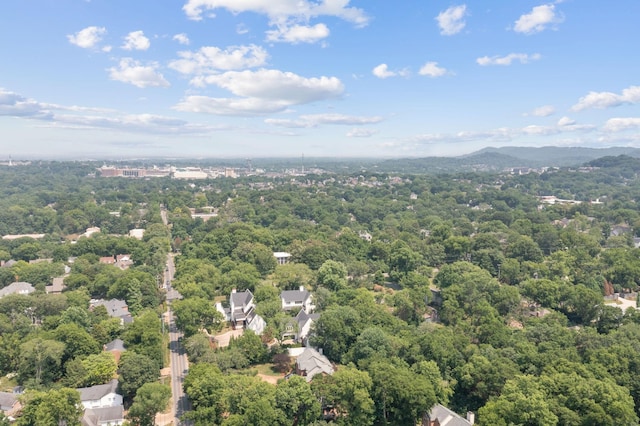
(621,124)
(432,69)
(566,121)
(136,40)
(278,85)
(182,38)
(503,134)
(523,58)
(451,21)
(537,20)
(280,11)
(230,106)
(15,105)
(382,71)
(298,33)
(314,120)
(242,29)
(210,59)
(133,72)
(77,117)
(543,111)
(361,133)
(630,95)
(262,91)
(87,38)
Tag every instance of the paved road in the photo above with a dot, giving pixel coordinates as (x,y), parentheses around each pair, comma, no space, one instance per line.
(179,369)
(179,362)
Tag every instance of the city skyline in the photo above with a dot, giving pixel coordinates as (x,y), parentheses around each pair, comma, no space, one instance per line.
(329,78)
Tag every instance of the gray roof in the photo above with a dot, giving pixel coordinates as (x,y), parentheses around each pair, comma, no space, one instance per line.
(9,263)
(313,362)
(291,296)
(242,298)
(115,308)
(96,416)
(94,393)
(303,317)
(115,345)
(7,400)
(19,287)
(447,417)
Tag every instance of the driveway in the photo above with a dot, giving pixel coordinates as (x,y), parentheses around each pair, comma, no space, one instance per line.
(223,339)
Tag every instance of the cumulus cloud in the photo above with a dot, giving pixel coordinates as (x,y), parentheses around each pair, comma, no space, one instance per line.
(383,71)
(182,38)
(87,38)
(210,59)
(451,21)
(133,72)
(621,124)
(314,120)
(566,121)
(539,19)
(262,91)
(361,133)
(630,95)
(431,69)
(136,40)
(523,58)
(298,33)
(543,111)
(280,11)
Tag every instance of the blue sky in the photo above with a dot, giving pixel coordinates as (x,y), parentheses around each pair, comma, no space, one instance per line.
(337,78)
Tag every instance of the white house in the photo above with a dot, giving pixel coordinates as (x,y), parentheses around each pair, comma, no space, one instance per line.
(107,416)
(241,312)
(282,257)
(311,362)
(300,298)
(17,288)
(101,396)
(298,328)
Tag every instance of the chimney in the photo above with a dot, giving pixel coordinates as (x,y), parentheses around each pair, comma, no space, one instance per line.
(233,290)
(301,288)
(471,418)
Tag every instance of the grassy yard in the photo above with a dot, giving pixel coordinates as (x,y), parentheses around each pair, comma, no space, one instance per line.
(266,369)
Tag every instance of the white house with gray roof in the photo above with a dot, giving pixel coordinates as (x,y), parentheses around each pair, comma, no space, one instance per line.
(17,288)
(102,405)
(301,298)
(311,362)
(101,396)
(241,312)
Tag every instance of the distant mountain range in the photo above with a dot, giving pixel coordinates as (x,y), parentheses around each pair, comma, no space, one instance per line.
(495,159)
